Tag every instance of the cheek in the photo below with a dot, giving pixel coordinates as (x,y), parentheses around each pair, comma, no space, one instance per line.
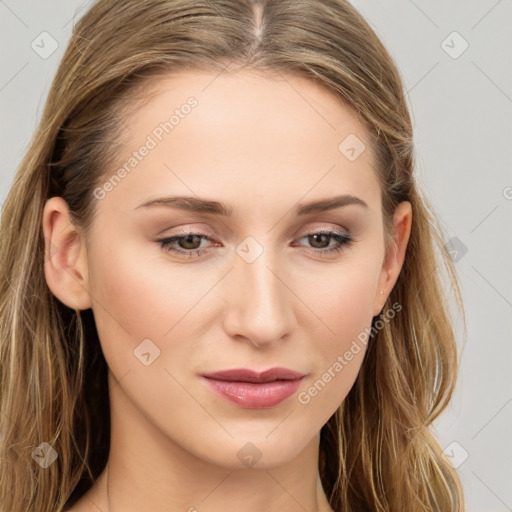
(345,306)
(345,302)
(145,296)
(133,299)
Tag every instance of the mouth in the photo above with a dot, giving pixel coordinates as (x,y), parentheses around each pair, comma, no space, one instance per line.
(254,390)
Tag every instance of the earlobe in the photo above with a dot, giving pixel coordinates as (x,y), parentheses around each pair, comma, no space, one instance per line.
(65,262)
(402,222)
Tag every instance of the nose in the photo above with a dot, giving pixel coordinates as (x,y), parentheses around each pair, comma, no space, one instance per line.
(260,301)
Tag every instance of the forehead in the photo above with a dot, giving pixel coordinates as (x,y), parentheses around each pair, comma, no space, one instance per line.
(272,101)
(247,135)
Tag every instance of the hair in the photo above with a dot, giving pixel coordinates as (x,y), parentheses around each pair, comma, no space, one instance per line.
(377,451)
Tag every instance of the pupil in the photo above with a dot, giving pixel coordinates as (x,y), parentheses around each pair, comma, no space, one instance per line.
(189,241)
(319,235)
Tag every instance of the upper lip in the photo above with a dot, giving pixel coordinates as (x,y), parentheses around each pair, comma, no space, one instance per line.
(247,375)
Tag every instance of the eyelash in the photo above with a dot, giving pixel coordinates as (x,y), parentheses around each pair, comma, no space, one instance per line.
(344,240)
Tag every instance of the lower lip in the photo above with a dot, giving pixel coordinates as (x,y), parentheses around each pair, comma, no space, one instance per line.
(251,395)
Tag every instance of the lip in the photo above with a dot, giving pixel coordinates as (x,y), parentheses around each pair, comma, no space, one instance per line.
(254,390)
(248,375)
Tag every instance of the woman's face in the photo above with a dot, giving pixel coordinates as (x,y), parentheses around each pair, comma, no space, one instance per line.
(263,291)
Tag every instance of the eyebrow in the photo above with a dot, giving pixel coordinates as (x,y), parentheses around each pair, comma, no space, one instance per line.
(198,205)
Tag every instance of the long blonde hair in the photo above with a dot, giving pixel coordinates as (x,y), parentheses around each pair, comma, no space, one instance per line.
(377,452)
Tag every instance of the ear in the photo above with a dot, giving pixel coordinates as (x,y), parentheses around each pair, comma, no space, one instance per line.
(65,261)
(402,221)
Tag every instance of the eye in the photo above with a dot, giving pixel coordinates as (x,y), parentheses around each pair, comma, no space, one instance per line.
(188,244)
(188,241)
(320,237)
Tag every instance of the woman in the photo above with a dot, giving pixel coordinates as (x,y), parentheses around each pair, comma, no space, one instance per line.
(219,282)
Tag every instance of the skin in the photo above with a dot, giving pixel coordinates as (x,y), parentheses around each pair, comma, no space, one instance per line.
(262,145)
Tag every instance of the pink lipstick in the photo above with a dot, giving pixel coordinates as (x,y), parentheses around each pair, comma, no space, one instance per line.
(253,390)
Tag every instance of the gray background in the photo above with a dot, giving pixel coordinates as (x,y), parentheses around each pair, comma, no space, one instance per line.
(461,104)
